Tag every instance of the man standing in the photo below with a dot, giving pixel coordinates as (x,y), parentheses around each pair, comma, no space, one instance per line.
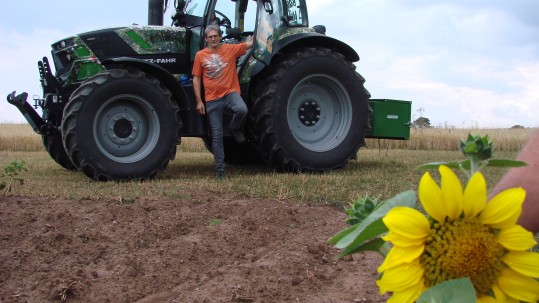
(215,66)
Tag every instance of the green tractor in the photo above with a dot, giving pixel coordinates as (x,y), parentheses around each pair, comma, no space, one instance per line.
(121,99)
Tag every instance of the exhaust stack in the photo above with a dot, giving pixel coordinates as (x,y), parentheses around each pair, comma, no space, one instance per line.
(155,12)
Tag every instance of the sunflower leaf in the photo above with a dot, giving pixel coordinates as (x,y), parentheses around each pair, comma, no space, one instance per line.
(363,240)
(452,291)
(505,163)
(342,233)
(349,235)
(377,245)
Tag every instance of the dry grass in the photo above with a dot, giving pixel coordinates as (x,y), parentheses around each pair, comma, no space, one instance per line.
(21,137)
(383,169)
(448,139)
(191,177)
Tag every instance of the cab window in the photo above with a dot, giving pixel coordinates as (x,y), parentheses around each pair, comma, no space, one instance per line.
(295,13)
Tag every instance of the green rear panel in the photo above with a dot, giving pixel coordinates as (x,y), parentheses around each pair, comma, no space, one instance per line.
(391,119)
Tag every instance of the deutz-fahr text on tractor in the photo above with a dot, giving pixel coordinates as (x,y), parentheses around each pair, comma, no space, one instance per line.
(120,99)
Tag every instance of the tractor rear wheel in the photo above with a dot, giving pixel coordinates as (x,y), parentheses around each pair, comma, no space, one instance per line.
(121,125)
(310,111)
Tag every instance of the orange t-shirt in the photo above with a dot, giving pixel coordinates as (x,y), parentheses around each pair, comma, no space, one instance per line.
(218,70)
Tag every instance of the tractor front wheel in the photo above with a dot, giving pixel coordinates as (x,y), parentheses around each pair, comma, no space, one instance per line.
(121,125)
(52,140)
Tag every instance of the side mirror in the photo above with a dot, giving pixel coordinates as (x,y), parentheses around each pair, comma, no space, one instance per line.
(268,6)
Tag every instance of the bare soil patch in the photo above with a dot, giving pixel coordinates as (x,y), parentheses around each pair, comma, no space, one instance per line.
(222,249)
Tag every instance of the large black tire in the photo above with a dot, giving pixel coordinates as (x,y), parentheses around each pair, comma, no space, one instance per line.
(309,111)
(52,141)
(121,125)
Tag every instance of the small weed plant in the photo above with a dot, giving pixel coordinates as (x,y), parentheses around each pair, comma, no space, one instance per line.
(10,175)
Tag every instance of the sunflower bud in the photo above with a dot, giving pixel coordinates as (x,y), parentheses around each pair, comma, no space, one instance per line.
(477,148)
(361,209)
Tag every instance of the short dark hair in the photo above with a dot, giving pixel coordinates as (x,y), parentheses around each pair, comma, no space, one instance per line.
(213,27)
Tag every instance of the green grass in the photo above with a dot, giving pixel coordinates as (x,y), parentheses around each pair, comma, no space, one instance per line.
(378,173)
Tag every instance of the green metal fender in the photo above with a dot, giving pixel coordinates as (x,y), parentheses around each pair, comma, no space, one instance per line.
(308,40)
(169,80)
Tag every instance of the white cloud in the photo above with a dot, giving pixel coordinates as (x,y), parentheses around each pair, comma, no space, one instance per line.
(464,62)
(18,57)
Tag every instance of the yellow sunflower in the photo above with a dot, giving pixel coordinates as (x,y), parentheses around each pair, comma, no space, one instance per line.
(464,237)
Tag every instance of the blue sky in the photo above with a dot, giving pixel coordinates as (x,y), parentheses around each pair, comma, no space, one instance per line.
(461,63)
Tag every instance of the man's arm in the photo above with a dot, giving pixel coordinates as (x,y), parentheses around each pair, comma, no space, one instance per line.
(528,178)
(197,87)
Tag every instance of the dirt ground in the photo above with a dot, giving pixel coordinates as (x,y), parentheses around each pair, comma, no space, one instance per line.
(225,249)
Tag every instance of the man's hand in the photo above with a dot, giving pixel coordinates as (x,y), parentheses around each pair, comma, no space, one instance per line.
(197,86)
(200,108)
(249,42)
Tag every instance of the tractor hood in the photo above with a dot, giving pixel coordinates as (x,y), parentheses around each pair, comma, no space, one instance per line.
(132,41)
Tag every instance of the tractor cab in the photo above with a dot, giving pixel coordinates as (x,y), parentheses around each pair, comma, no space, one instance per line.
(266,20)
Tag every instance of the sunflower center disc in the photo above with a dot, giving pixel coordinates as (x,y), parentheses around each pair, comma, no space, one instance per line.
(462,248)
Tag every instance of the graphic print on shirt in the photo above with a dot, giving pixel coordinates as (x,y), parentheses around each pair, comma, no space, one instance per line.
(214,66)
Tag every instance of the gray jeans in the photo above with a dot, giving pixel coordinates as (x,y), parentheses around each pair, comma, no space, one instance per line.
(215,111)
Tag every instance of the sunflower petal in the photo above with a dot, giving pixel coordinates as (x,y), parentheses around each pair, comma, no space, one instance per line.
(518,286)
(526,263)
(516,238)
(408,295)
(486,299)
(452,195)
(399,255)
(401,277)
(407,222)
(402,241)
(430,196)
(475,196)
(501,296)
(503,210)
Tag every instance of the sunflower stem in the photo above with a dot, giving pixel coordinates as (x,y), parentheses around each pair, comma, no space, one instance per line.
(474,166)
(468,174)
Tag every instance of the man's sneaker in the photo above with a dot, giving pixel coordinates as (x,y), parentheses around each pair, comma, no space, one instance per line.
(237,134)
(220,175)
